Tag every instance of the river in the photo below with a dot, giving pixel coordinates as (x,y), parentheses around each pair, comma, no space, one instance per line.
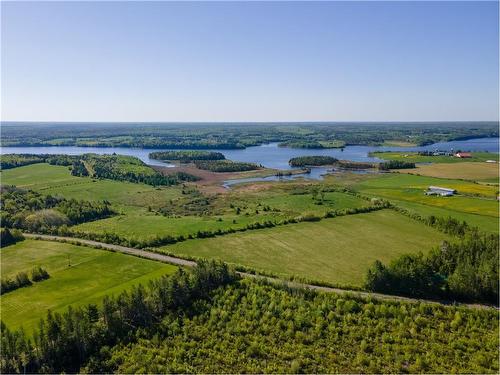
(268,155)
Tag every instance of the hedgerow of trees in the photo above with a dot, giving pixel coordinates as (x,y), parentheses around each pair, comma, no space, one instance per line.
(22,280)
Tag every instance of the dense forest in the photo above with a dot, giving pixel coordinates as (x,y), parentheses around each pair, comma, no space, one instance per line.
(234,135)
(186,156)
(225,165)
(65,342)
(466,270)
(34,212)
(306,161)
(208,321)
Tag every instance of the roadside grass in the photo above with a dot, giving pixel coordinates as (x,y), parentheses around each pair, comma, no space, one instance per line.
(93,274)
(337,250)
(57,180)
(416,158)
(469,171)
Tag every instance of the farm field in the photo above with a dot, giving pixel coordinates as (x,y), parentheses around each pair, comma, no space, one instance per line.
(93,274)
(338,250)
(484,223)
(57,180)
(487,172)
(405,187)
(143,225)
(416,158)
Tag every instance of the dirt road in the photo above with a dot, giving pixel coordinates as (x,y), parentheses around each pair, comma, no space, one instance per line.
(189,263)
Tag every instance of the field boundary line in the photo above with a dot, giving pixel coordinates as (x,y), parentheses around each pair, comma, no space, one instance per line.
(292,284)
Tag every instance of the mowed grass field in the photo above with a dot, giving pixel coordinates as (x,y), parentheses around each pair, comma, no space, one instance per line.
(337,250)
(93,274)
(416,158)
(411,188)
(57,180)
(487,172)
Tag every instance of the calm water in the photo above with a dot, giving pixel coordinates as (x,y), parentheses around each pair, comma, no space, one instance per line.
(268,155)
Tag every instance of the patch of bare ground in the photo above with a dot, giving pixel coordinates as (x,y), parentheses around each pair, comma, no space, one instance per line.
(211,182)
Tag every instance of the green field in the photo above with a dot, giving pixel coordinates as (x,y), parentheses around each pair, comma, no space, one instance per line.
(93,274)
(411,188)
(416,158)
(338,250)
(57,180)
(486,172)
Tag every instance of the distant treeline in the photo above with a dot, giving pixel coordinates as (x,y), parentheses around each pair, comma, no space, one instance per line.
(34,212)
(305,161)
(237,136)
(395,164)
(225,165)
(186,156)
(63,343)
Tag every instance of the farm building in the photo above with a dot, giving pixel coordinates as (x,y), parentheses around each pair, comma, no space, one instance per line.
(436,190)
(463,155)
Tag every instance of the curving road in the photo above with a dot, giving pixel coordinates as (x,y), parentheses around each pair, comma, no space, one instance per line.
(189,263)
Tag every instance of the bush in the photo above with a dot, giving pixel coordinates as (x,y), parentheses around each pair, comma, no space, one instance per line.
(38,274)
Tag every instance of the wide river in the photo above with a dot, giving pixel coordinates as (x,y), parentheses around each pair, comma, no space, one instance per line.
(268,155)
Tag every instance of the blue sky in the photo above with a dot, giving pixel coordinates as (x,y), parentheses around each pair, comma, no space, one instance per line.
(249,61)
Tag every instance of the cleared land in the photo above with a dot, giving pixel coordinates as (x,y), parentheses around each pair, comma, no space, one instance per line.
(411,188)
(408,191)
(487,172)
(338,250)
(93,274)
(57,180)
(416,158)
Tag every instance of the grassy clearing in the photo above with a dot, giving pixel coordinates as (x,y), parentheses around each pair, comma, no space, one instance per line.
(93,274)
(484,223)
(416,158)
(411,188)
(468,171)
(338,250)
(57,180)
(142,225)
(399,143)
